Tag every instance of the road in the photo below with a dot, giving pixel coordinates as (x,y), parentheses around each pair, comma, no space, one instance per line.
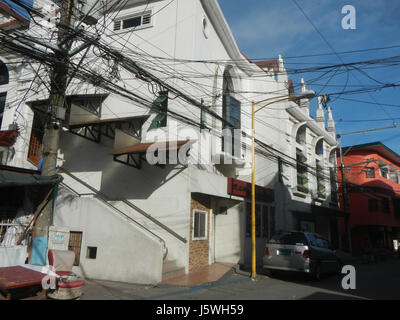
(373,281)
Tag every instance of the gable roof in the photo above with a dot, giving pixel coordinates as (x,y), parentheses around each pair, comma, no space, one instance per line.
(377,147)
(214,13)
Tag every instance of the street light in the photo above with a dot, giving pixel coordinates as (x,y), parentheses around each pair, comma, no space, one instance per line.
(307,94)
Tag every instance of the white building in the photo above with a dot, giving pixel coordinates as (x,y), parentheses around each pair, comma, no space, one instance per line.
(149,222)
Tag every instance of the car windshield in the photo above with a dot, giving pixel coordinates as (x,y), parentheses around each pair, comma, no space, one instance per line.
(291,238)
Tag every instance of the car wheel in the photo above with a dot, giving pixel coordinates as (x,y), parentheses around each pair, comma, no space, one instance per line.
(317,272)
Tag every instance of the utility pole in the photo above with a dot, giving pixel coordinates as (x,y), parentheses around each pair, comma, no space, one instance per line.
(344,196)
(59,77)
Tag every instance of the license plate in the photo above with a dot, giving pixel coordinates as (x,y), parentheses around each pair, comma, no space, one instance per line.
(284,252)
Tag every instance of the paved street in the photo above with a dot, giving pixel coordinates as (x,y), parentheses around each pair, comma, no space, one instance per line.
(373,281)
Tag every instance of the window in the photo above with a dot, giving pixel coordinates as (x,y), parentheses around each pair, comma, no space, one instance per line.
(369,172)
(265,221)
(301,166)
(319,148)
(291,238)
(384,172)
(396,206)
(75,241)
(4,80)
(160,107)
(320,180)
(334,187)
(385,205)
(91,253)
(3,96)
(372,205)
(322,243)
(36,142)
(280,169)
(137,21)
(268,222)
(206,28)
(199,225)
(301,135)
(231,113)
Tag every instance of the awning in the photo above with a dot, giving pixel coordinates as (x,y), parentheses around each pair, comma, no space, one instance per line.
(106,121)
(327,212)
(16,177)
(8,138)
(94,129)
(319,211)
(141,148)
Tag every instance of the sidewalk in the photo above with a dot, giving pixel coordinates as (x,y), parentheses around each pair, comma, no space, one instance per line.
(205,277)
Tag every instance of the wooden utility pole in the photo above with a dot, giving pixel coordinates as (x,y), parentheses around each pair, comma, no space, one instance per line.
(59,78)
(344,197)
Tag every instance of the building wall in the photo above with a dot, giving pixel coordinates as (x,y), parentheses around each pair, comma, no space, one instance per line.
(125,252)
(358,201)
(229,232)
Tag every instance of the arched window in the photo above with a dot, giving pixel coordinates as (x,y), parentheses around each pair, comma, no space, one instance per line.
(301,135)
(319,148)
(4,79)
(231,113)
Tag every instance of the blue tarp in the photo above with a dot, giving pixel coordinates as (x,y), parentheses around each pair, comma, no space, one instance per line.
(20,11)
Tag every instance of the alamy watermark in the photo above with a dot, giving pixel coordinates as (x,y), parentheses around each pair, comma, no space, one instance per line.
(349,280)
(349,20)
(191,146)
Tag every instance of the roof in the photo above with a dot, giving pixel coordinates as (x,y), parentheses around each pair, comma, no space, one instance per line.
(17,177)
(18,12)
(269,64)
(8,137)
(142,147)
(376,147)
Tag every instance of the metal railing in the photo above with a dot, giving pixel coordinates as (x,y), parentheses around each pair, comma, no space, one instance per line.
(106,200)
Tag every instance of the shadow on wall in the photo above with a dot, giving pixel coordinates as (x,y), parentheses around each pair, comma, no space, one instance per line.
(118,181)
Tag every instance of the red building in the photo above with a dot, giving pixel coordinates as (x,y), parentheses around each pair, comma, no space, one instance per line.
(372,173)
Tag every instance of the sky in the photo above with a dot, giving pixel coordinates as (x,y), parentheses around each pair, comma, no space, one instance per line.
(265,28)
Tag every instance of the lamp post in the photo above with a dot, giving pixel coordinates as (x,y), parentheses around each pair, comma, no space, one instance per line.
(307,94)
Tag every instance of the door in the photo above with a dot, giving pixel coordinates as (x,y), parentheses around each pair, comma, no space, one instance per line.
(75,242)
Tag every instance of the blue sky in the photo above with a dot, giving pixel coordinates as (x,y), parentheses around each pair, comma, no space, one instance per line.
(264,29)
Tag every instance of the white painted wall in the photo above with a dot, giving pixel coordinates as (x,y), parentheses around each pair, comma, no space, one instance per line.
(13,256)
(125,252)
(228,234)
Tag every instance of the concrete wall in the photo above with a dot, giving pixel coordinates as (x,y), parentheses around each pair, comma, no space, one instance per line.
(13,256)
(125,252)
(228,233)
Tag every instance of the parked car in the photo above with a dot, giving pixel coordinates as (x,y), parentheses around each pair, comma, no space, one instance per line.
(302,252)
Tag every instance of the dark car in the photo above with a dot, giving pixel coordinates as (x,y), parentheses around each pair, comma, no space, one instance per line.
(301,252)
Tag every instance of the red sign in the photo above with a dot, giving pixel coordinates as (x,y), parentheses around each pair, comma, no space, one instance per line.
(243,189)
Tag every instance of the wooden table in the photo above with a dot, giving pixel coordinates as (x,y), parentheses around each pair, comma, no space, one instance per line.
(14,278)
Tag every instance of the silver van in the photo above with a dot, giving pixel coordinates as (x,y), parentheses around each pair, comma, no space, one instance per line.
(302,252)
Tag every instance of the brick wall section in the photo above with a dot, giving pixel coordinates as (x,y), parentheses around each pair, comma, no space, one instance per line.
(198,249)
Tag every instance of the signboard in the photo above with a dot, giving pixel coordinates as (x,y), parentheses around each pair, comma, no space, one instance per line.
(243,189)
